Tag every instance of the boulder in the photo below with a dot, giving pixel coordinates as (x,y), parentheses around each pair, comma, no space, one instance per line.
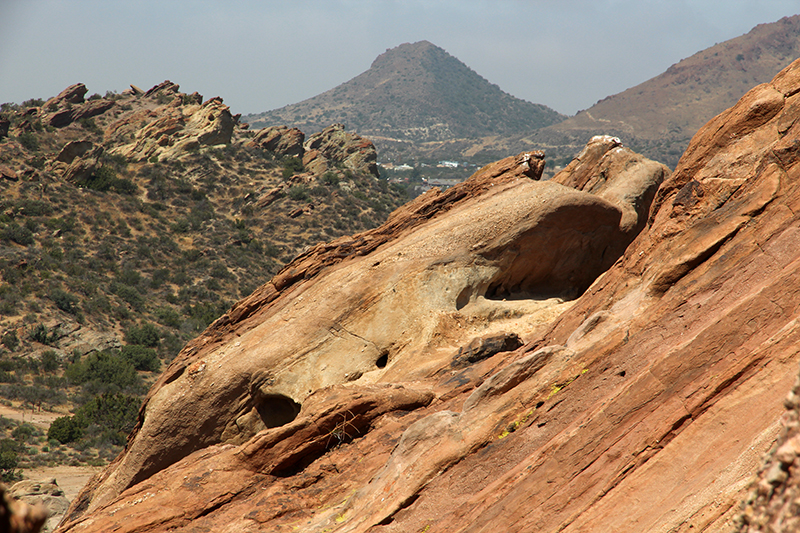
(71,95)
(492,256)
(83,167)
(17,516)
(42,494)
(7,173)
(74,149)
(281,140)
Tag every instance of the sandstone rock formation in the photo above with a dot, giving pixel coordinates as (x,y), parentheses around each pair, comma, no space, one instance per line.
(774,499)
(334,144)
(19,517)
(281,140)
(176,128)
(297,367)
(42,494)
(336,397)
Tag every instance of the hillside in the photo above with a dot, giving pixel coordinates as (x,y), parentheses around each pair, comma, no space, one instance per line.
(129,222)
(659,117)
(419,103)
(415,93)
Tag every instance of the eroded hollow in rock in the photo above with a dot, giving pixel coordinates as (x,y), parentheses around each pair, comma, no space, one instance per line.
(277,410)
(382,360)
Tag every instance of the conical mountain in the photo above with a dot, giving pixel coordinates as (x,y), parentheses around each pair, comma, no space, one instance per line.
(415,92)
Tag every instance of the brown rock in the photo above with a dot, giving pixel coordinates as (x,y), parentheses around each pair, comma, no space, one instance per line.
(172,130)
(38,494)
(71,95)
(89,109)
(8,173)
(83,167)
(19,517)
(281,140)
(73,149)
(335,145)
(348,313)
(165,87)
(5,125)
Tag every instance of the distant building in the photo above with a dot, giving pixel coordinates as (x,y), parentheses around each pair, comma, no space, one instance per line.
(448,164)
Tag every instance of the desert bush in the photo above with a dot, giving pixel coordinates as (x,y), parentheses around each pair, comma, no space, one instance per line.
(65,429)
(18,234)
(65,301)
(105,179)
(9,451)
(106,418)
(42,335)
(145,335)
(141,357)
(29,141)
(10,340)
(104,372)
(291,166)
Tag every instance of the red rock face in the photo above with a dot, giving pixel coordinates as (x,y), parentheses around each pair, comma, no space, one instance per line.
(644,405)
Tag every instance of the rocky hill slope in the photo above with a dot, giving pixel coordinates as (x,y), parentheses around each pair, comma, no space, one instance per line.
(434,374)
(415,93)
(660,116)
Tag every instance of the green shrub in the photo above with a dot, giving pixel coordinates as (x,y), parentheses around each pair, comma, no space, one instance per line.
(65,429)
(49,361)
(10,340)
(145,335)
(29,141)
(291,166)
(168,316)
(102,371)
(106,418)
(105,179)
(298,193)
(329,178)
(9,450)
(41,335)
(141,357)
(18,234)
(65,301)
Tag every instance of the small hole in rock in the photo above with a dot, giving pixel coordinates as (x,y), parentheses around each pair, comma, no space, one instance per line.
(463,298)
(539,404)
(621,374)
(276,410)
(382,360)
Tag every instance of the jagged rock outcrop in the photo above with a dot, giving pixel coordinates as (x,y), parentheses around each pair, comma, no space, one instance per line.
(334,145)
(176,128)
(281,140)
(496,255)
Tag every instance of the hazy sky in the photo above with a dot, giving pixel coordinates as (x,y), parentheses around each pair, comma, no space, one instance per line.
(263,54)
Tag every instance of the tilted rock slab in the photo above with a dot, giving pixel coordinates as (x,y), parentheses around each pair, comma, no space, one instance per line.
(275,389)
